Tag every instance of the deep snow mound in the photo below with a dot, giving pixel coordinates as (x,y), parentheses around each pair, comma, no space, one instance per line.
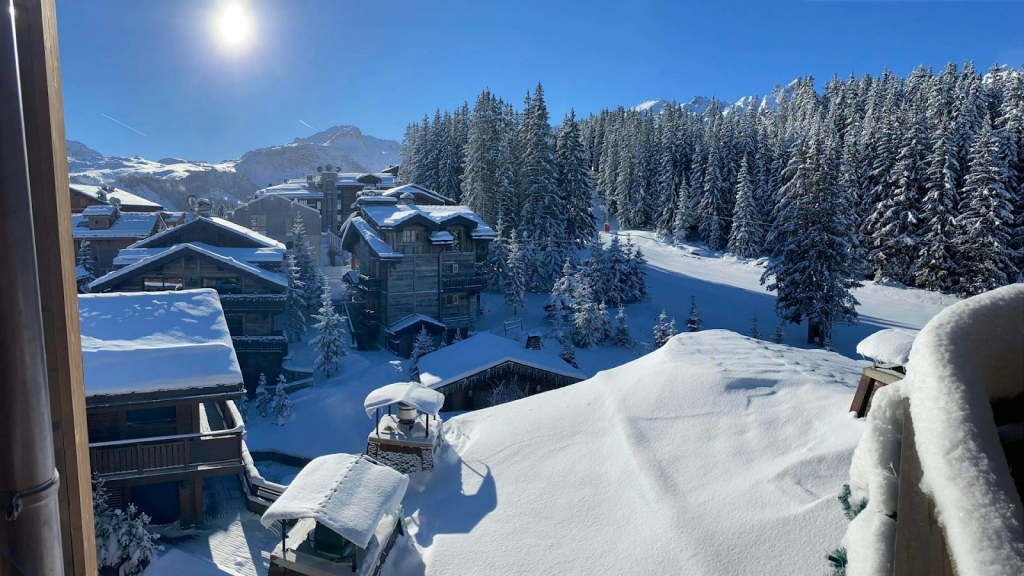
(717,454)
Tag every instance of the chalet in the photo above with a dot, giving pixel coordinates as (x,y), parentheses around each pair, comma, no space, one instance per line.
(466,372)
(109,229)
(241,265)
(407,440)
(420,196)
(413,267)
(160,379)
(345,514)
(83,196)
(331,192)
(274,215)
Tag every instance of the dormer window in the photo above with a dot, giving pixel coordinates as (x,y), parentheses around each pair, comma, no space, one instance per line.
(410,236)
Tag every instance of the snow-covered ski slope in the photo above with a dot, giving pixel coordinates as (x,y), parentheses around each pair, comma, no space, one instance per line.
(715,455)
(729,293)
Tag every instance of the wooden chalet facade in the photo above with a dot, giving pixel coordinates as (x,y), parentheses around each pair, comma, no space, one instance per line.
(108,230)
(413,266)
(161,417)
(239,264)
(274,216)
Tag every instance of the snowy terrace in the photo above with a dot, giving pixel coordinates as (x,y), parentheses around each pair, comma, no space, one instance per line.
(385,217)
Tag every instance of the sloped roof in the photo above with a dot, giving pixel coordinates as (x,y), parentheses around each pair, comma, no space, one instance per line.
(129,256)
(279,198)
(412,320)
(347,493)
(225,225)
(128,200)
(127,225)
(412,393)
(178,249)
(418,191)
(153,341)
(356,227)
(434,217)
(485,350)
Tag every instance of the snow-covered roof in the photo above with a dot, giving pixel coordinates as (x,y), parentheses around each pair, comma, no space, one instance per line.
(292,189)
(395,215)
(356,225)
(226,225)
(153,341)
(347,493)
(441,237)
(352,178)
(966,357)
(100,210)
(128,200)
(413,319)
(417,190)
(412,393)
(485,350)
(80,272)
(127,225)
(889,347)
(272,277)
(669,464)
(129,256)
(278,198)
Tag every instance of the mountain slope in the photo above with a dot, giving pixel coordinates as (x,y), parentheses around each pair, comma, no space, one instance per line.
(170,180)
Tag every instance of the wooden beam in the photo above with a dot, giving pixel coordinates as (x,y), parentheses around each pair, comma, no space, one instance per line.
(43,108)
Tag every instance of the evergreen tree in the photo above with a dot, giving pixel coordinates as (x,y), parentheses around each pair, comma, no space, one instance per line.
(983,229)
(574,185)
(85,260)
(636,273)
(779,336)
(754,331)
(542,213)
(622,337)
(714,204)
(813,275)
(664,330)
(330,340)
(138,546)
(935,268)
(514,288)
(481,173)
(745,239)
(559,304)
(568,353)
(243,406)
(282,406)
(496,266)
(616,274)
(422,345)
(684,213)
(262,396)
(588,326)
(308,274)
(295,301)
(694,323)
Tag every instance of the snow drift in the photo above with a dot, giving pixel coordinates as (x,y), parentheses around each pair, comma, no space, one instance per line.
(716,454)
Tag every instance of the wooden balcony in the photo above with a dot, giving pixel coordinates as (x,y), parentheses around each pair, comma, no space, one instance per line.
(171,457)
(365,317)
(368,284)
(277,344)
(463,283)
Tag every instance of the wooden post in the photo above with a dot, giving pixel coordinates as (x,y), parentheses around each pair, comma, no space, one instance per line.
(43,109)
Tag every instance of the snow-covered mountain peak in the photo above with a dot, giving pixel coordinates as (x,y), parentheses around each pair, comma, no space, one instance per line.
(326,137)
(652,106)
(78,150)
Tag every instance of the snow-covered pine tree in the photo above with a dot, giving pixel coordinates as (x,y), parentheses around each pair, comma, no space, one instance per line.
(574,184)
(243,406)
(985,224)
(754,331)
(308,274)
(138,546)
(694,323)
(422,345)
(605,327)
(559,304)
(282,406)
(514,288)
(621,336)
(684,218)
(779,336)
(295,301)
(935,268)
(568,353)
(330,340)
(85,260)
(481,172)
(714,203)
(587,324)
(263,398)
(495,268)
(616,274)
(664,330)
(542,213)
(636,273)
(457,337)
(448,160)
(745,239)
(813,275)
(592,271)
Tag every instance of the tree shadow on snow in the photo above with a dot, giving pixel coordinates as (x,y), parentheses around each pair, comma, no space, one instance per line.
(457,496)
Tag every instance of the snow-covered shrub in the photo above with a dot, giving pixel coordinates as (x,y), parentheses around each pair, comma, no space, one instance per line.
(694,322)
(423,345)
(664,330)
(506,392)
(282,406)
(262,396)
(621,337)
(568,353)
(122,541)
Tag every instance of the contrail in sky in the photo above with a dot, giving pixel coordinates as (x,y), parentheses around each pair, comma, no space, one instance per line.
(307,124)
(121,123)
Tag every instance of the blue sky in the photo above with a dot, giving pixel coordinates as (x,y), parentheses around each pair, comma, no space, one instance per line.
(161,67)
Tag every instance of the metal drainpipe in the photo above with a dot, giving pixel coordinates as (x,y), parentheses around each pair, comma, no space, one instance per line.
(30,537)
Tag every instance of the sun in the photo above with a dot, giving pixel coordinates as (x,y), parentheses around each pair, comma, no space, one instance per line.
(233,25)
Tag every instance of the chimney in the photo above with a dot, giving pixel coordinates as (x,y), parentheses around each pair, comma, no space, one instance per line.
(407,199)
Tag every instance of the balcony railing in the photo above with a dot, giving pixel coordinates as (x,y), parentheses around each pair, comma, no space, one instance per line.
(260,343)
(364,316)
(334,241)
(368,284)
(463,282)
(165,454)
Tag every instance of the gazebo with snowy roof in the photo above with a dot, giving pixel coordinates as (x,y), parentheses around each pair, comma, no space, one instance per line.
(347,514)
(407,439)
(889,351)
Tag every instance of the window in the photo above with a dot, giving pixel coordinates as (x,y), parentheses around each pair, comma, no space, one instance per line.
(224,285)
(236,324)
(150,416)
(258,222)
(450,267)
(451,299)
(161,283)
(410,236)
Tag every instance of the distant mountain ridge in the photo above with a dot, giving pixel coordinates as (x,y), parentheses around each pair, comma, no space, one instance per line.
(700,104)
(170,181)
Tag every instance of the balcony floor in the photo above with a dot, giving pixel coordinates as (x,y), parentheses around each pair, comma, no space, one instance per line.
(231,541)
